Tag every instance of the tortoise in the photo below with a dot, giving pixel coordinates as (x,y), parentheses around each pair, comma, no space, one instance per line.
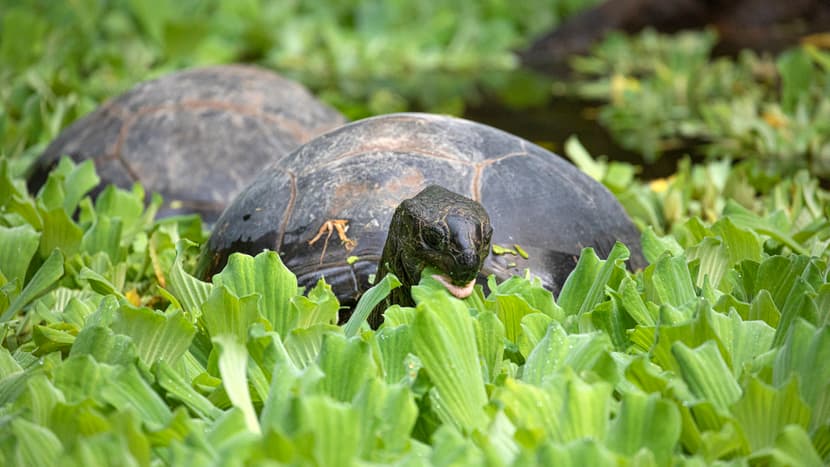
(196,136)
(488,184)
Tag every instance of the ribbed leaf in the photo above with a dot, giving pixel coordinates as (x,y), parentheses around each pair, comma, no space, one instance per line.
(763,308)
(746,341)
(388,414)
(105,346)
(81,377)
(233,361)
(158,336)
(42,398)
(530,290)
(444,339)
(224,313)
(334,428)
(792,447)
(304,344)
(534,328)
(804,348)
(368,301)
(43,280)
(764,411)
(577,454)
(128,206)
(490,342)
(129,389)
(347,365)
(35,445)
(178,388)
(395,343)
(267,276)
(654,246)
(510,310)
(645,421)
(319,307)
(671,282)
(59,231)
(104,236)
(706,374)
(17,247)
(585,287)
(547,357)
(190,292)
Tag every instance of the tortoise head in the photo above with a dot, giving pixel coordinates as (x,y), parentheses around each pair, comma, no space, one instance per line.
(441,229)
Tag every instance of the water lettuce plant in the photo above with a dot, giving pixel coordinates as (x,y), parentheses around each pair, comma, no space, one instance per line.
(114,353)
(662,93)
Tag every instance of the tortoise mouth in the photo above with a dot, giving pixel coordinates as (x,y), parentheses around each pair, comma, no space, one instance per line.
(459,291)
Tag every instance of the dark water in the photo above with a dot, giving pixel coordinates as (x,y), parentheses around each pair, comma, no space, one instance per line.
(552,125)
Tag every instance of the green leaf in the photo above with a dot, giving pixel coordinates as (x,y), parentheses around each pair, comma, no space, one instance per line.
(226,314)
(332,426)
(388,413)
(654,246)
(531,291)
(796,70)
(585,287)
(190,292)
(43,396)
(534,328)
(706,374)
(792,447)
(764,411)
(182,390)
(395,344)
(78,182)
(319,307)
(347,365)
(566,409)
(35,445)
(129,389)
(80,377)
(369,301)
(547,357)
(746,219)
(444,339)
(17,248)
(128,206)
(763,309)
(577,153)
(746,340)
(99,283)
(577,453)
(59,231)
(157,336)
(105,346)
(645,421)
(804,347)
(233,360)
(490,342)
(267,276)
(671,282)
(510,310)
(799,305)
(104,236)
(44,279)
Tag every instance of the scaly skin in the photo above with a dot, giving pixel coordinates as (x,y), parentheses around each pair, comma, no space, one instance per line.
(435,228)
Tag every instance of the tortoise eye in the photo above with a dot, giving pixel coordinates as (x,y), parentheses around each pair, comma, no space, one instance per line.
(433,237)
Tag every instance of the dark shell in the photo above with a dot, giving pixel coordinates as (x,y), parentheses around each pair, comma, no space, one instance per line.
(196,136)
(360,172)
